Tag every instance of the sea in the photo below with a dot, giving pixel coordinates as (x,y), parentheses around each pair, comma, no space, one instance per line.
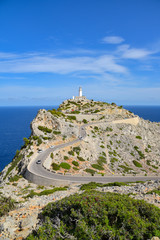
(15,125)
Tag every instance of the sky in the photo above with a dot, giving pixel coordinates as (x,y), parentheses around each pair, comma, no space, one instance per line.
(48,48)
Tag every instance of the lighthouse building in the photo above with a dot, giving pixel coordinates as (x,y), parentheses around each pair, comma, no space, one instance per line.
(80,96)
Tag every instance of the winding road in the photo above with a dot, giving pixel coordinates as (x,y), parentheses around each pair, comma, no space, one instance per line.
(38,174)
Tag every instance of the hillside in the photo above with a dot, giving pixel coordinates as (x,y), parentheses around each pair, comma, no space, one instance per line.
(116,141)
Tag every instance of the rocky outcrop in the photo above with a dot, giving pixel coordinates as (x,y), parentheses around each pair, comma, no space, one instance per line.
(116,142)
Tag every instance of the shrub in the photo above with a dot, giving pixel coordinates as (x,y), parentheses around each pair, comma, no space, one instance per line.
(56,132)
(39,141)
(66,157)
(65,165)
(146,150)
(45,192)
(56,113)
(71,117)
(75,112)
(35,137)
(76,149)
(97,215)
(125,169)
(76,169)
(137,164)
(6,205)
(91,171)
(55,166)
(148,162)
(15,178)
(84,121)
(102,146)
(97,166)
(113,159)
(108,129)
(93,185)
(14,164)
(51,155)
(71,153)
(138,137)
(81,159)
(44,129)
(30,154)
(104,154)
(75,163)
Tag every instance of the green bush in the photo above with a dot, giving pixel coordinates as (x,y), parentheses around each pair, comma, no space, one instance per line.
(104,154)
(71,117)
(65,165)
(6,205)
(51,155)
(35,137)
(75,163)
(75,168)
(91,171)
(113,159)
(66,157)
(45,192)
(55,166)
(56,132)
(76,149)
(137,164)
(44,129)
(84,121)
(71,153)
(80,159)
(109,129)
(14,164)
(125,169)
(30,154)
(97,166)
(102,146)
(75,112)
(15,178)
(56,113)
(96,215)
(39,141)
(138,137)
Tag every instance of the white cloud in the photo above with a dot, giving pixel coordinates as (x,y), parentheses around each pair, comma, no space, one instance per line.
(64,65)
(113,40)
(133,53)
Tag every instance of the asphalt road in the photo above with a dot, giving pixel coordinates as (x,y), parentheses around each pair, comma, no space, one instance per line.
(38,169)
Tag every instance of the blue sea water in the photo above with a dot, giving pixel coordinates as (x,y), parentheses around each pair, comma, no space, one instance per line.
(15,125)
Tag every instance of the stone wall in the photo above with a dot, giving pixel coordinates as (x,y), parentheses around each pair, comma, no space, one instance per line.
(39,180)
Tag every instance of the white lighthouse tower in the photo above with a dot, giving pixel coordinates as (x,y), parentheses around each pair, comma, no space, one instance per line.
(80,92)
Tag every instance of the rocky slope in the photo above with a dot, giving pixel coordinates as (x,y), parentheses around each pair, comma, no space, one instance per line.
(117,141)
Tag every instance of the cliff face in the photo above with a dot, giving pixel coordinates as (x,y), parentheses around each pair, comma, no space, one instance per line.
(116,142)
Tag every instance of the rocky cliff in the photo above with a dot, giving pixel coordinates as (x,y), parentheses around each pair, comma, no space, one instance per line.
(116,142)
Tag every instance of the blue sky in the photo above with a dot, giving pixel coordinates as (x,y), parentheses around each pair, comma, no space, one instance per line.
(48,48)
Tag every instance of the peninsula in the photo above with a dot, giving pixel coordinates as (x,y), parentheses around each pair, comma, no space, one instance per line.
(82,141)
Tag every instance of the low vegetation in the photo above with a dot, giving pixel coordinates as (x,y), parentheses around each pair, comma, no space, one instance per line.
(65,165)
(14,163)
(96,215)
(137,164)
(45,192)
(44,129)
(6,205)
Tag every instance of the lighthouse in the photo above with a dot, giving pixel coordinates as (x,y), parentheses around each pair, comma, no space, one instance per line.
(80,92)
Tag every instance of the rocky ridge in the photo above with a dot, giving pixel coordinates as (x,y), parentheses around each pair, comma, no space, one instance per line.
(112,146)
(117,141)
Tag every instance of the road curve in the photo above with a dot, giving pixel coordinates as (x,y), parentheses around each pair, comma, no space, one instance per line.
(39,175)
